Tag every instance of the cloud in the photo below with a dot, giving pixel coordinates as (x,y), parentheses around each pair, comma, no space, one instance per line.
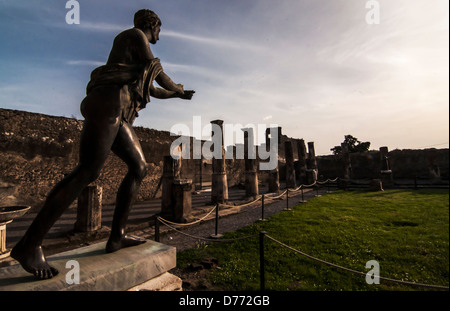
(84,63)
(103,27)
(217,42)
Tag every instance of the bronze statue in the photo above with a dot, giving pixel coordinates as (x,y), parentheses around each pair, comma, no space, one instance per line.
(115,94)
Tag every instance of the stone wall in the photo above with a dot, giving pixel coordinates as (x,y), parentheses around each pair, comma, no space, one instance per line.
(37,150)
(431,164)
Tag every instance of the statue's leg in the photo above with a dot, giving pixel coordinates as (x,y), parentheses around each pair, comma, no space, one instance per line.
(127,147)
(97,138)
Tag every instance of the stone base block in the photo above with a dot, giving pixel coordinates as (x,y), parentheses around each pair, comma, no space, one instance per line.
(165,282)
(98,271)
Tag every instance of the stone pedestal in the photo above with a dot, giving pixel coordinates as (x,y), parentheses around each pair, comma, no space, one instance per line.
(182,196)
(98,271)
(3,251)
(89,211)
(171,172)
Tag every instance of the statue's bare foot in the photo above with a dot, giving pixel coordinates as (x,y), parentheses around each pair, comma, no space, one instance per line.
(34,262)
(122,242)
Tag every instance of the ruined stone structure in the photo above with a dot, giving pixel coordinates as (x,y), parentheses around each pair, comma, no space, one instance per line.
(251,172)
(300,165)
(311,164)
(219,190)
(273,175)
(89,211)
(290,169)
(37,150)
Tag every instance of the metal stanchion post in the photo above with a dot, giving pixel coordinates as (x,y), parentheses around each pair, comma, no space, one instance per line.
(317,190)
(303,198)
(157,238)
(262,278)
(262,208)
(287,200)
(217,235)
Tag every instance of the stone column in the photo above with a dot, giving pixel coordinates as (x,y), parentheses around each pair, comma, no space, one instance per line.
(182,200)
(198,174)
(290,169)
(386,173)
(251,172)
(89,211)
(274,175)
(279,129)
(311,164)
(219,191)
(300,165)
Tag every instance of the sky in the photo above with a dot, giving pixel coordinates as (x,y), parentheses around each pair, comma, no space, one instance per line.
(316,68)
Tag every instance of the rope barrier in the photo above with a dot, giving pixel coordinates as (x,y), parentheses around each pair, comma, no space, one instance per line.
(354,271)
(262,235)
(328,180)
(242,205)
(206,239)
(276,197)
(191,223)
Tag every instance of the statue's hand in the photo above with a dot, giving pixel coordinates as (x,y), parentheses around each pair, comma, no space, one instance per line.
(187,94)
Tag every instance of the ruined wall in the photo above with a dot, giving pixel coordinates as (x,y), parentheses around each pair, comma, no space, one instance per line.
(37,150)
(431,164)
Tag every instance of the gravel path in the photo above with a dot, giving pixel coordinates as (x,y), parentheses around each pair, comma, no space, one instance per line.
(229,223)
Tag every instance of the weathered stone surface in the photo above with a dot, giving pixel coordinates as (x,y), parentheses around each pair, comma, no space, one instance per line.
(89,211)
(182,194)
(99,271)
(290,169)
(219,185)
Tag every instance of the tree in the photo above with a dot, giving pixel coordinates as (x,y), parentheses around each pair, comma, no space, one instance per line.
(354,145)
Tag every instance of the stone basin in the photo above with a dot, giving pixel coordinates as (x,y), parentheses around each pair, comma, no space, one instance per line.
(8,213)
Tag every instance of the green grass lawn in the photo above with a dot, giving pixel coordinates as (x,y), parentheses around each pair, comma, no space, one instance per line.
(407,232)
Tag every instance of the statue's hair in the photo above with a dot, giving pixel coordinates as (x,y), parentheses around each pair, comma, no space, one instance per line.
(144,19)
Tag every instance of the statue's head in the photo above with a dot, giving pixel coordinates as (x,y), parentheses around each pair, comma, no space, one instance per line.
(147,20)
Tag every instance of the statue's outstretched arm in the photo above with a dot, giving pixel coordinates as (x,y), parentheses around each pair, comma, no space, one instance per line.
(164,80)
(163,93)
(146,54)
